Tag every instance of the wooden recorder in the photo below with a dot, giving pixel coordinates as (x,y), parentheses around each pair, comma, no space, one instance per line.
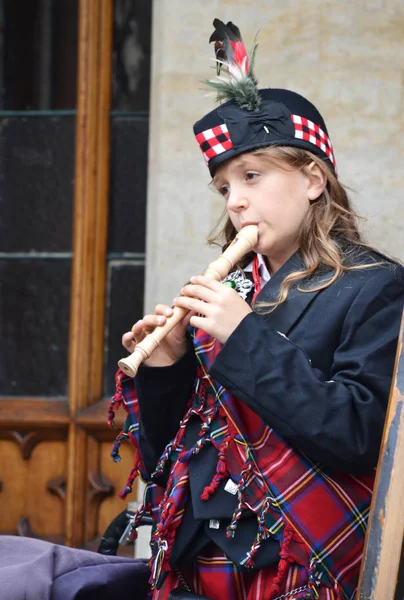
(243,243)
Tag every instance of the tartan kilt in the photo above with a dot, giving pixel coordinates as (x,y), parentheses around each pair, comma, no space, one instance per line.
(217,578)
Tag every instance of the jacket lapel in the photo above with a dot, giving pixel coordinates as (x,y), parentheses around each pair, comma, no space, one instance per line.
(286,315)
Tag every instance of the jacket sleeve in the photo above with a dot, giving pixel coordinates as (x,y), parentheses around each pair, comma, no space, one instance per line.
(338,420)
(163,393)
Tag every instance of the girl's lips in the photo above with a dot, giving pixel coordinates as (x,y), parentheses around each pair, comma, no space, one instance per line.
(249,223)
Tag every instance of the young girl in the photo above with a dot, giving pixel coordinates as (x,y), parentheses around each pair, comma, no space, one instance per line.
(257,422)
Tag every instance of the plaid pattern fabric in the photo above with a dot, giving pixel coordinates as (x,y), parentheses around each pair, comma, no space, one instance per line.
(217,140)
(214,141)
(319,519)
(310,132)
(216,577)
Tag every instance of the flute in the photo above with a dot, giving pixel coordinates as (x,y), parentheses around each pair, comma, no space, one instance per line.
(244,241)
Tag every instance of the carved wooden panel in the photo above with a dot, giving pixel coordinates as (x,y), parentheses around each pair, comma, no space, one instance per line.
(33,486)
(25,491)
(117,474)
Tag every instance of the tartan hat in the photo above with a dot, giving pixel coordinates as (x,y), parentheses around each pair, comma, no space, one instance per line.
(254,118)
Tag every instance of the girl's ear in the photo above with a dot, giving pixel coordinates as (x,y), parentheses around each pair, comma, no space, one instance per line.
(317,181)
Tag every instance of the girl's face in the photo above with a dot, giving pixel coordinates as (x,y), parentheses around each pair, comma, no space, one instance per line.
(276,199)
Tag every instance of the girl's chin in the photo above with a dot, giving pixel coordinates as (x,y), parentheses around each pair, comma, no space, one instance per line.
(262,248)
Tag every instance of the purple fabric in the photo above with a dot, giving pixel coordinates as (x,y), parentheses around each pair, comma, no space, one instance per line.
(33,569)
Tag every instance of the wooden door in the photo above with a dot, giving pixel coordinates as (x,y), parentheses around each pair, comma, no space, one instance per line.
(64,257)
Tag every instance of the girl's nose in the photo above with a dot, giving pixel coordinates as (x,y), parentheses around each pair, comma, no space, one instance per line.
(237,200)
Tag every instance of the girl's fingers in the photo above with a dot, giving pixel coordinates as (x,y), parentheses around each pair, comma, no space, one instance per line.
(206,282)
(148,324)
(192,304)
(140,329)
(212,293)
(198,322)
(198,291)
(187,319)
(127,337)
(128,342)
(137,329)
(163,309)
(153,321)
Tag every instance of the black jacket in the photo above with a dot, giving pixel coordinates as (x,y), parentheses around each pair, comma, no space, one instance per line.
(317,369)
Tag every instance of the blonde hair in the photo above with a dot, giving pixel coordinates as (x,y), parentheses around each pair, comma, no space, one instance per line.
(329,232)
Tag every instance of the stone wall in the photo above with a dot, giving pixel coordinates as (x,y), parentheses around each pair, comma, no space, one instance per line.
(347,57)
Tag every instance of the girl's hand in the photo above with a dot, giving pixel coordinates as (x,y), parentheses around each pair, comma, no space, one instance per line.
(171,348)
(219,308)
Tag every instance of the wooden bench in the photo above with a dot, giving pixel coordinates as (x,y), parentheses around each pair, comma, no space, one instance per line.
(382,572)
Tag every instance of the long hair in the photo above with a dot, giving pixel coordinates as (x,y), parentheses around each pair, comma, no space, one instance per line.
(329,233)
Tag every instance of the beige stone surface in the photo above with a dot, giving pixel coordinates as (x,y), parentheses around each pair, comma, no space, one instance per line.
(364,34)
(347,57)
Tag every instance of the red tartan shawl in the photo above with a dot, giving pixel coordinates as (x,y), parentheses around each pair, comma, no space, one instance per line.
(319,518)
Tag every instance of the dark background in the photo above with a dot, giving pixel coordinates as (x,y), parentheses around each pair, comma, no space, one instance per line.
(38,68)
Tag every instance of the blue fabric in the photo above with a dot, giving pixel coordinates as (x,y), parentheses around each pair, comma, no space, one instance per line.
(32,569)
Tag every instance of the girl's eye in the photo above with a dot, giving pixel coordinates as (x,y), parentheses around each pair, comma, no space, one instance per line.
(224,190)
(251,175)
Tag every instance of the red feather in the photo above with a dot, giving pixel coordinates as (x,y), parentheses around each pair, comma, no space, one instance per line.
(229,47)
(240,55)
